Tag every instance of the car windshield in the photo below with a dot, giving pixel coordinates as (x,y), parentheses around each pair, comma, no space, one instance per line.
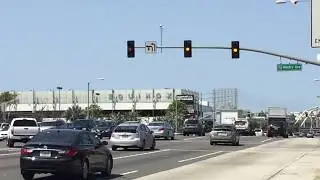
(82,123)
(25,122)
(63,137)
(128,129)
(222,128)
(156,124)
(191,122)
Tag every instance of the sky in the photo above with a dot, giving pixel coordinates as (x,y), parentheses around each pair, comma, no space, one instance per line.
(44,44)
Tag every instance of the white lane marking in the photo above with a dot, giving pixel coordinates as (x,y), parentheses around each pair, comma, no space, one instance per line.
(9,154)
(210,154)
(191,150)
(141,154)
(266,140)
(193,138)
(9,149)
(130,172)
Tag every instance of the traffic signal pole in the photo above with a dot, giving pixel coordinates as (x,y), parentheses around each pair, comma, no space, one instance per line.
(244,49)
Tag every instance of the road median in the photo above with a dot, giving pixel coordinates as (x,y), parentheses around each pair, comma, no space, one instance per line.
(293,158)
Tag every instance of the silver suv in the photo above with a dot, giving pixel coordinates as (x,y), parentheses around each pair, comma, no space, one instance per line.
(224,133)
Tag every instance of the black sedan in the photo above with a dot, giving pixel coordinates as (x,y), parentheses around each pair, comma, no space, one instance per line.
(65,151)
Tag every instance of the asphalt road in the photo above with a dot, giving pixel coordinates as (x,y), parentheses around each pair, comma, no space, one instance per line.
(132,164)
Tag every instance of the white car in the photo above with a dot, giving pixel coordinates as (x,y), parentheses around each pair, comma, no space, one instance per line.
(4,133)
(22,130)
(258,132)
(132,135)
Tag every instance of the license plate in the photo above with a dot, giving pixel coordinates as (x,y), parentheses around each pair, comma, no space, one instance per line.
(84,128)
(222,134)
(124,136)
(45,153)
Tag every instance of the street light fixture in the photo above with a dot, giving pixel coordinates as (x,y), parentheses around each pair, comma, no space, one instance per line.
(291,1)
(59,90)
(89,95)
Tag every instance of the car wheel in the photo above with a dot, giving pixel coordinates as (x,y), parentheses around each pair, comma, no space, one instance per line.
(172,138)
(10,143)
(143,145)
(109,166)
(166,137)
(184,134)
(84,170)
(27,175)
(211,143)
(114,148)
(153,145)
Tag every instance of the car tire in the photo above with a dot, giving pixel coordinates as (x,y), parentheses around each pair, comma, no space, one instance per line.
(143,145)
(84,174)
(10,143)
(27,175)
(184,134)
(109,165)
(212,143)
(153,147)
(172,138)
(114,148)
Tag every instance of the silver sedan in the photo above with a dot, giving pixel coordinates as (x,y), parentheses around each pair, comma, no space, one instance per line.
(132,135)
(162,130)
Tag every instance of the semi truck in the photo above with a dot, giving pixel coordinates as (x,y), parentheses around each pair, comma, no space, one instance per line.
(277,122)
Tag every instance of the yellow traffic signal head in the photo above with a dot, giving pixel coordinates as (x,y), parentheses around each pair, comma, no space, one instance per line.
(235,50)
(187,49)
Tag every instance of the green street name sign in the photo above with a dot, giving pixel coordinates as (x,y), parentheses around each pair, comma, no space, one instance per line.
(289,67)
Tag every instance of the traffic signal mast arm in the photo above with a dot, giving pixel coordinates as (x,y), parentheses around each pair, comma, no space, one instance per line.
(245,49)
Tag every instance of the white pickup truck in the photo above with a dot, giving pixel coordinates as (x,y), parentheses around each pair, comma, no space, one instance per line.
(22,130)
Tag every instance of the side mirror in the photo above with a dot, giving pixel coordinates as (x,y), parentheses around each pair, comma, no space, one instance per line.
(104,143)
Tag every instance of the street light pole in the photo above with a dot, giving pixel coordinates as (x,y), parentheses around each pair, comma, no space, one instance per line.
(59,90)
(161,32)
(88,114)
(88,100)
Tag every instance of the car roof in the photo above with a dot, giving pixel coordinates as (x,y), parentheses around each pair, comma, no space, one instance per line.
(157,122)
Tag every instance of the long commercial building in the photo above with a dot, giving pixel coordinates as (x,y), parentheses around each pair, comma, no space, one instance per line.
(108,100)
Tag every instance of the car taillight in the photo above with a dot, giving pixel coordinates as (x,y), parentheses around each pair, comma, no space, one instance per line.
(161,129)
(25,151)
(71,152)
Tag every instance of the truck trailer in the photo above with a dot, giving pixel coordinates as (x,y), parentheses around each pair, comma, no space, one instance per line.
(277,122)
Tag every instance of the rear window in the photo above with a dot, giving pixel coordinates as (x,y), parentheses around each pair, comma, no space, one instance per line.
(63,137)
(156,124)
(83,123)
(128,129)
(192,122)
(52,123)
(241,123)
(222,128)
(258,130)
(24,122)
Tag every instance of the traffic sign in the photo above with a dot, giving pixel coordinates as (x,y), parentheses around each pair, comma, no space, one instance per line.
(151,47)
(289,67)
(315,23)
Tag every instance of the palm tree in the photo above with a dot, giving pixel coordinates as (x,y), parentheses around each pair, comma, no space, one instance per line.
(74,112)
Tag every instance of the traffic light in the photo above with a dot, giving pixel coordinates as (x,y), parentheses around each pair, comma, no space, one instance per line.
(187,48)
(130,49)
(235,50)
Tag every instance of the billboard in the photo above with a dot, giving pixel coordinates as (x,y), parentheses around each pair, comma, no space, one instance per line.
(315,23)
